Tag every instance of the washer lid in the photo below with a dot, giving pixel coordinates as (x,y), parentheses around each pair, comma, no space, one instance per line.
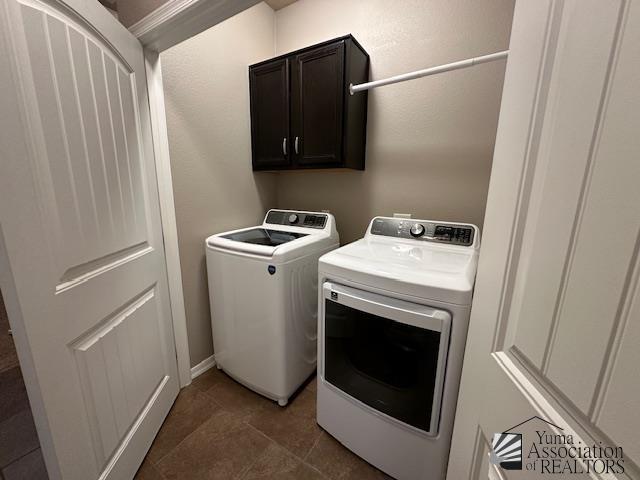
(277,244)
(431,271)
(264,236)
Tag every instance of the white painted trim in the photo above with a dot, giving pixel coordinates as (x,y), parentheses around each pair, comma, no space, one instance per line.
(203,366)
(178,20)
(172,23)
(521,113)
(27,366)
(160,16)
(168,213)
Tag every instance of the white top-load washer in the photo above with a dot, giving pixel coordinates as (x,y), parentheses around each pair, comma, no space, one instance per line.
(263,295)
(393,313)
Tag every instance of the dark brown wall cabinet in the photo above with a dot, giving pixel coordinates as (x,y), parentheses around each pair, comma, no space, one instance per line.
(302,115)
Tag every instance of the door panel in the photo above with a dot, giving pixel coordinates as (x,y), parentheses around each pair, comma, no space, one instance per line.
(616,411)
(572,287)
(115,222)
(119,371)
(269,87)
(317,104)
(82,236)
(552,331)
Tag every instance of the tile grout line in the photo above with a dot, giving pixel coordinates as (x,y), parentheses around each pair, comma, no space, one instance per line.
(156,462)
(206,393)
(313,467)
(209,393)
(158,471)
(245,421)
(315,444)
(289,451)
(151,461)
(275,441)
(20,457)
(246,471)
(196,430)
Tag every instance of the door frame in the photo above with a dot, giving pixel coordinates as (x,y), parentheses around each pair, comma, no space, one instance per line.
(519,128)
(163,28)
(95,16)
(172,23)
(524,105)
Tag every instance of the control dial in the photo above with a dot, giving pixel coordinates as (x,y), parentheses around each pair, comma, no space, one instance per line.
(417,230)
(293,218)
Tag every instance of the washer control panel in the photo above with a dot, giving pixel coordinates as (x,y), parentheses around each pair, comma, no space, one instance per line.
(300,219)
(452,234)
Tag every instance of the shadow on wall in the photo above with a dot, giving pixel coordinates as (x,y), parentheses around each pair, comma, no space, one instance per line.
(264,185)
(214,191)
(434,164)
(455,181)
(429,141)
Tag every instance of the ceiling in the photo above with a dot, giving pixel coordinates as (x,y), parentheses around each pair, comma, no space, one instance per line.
(112,4)
(278,4)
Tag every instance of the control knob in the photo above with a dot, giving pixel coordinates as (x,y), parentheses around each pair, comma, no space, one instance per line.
(293,218)
(417,230)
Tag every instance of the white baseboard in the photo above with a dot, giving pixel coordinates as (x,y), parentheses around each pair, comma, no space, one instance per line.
(203,366)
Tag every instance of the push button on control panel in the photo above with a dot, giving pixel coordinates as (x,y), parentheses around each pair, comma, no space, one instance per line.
(416,230)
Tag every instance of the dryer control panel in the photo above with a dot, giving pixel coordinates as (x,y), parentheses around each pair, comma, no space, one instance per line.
(453,234)
(298,219)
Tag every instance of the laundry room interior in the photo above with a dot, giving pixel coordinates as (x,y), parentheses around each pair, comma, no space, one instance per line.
(309,239)
(429,143)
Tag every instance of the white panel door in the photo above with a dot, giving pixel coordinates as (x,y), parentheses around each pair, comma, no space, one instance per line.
(555,325)
(81,251)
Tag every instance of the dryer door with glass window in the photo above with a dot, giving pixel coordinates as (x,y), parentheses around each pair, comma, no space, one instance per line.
(387,354)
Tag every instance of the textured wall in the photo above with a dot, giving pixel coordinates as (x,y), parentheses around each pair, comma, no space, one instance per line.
(207,103)
(430,141)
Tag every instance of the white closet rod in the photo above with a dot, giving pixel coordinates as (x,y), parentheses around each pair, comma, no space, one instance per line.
(469,62)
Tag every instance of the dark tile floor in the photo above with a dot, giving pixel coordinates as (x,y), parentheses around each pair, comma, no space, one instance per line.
(218,429)
(20,455)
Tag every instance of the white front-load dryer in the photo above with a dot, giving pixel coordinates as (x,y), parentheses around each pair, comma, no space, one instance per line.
(393,314)
(263,296)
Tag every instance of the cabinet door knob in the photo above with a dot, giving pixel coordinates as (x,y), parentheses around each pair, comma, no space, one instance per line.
(284,146)
(295,145)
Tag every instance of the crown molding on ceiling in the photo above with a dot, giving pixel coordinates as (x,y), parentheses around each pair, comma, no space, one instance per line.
(177,20)
(278,4)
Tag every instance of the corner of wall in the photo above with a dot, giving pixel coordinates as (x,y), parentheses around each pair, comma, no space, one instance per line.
(275,32)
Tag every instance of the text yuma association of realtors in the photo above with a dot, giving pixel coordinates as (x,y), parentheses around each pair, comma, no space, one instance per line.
(558,454)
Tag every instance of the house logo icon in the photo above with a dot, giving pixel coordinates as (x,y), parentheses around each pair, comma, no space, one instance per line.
(506,450)
(506,447)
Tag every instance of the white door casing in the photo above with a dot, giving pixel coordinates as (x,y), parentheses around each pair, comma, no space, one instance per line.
(554,326)
(81,252)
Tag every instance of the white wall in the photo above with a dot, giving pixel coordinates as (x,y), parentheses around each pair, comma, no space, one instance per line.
(207,103)
(429,141)
(131,11)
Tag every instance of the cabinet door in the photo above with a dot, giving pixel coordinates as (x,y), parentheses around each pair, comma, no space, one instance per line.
(269,90)
(317,91)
